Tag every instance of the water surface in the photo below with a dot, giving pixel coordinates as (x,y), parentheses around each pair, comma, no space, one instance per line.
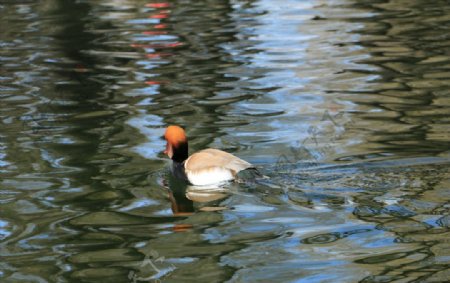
(344,105)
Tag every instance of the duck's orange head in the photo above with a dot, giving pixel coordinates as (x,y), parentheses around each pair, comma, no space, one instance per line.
(176,138)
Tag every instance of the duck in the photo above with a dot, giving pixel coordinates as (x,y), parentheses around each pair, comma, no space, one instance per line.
(206,167)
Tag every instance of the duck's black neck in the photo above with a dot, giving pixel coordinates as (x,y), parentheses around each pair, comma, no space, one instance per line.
(178,170)
(180,152)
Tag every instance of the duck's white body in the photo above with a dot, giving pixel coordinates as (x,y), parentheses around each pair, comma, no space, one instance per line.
(213,166)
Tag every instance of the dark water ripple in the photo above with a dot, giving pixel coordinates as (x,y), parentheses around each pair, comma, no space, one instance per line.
(343,104)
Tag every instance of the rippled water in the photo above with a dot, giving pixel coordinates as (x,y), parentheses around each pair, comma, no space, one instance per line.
(343,104)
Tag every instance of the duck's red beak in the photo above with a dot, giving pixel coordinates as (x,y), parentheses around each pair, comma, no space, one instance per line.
(168,150)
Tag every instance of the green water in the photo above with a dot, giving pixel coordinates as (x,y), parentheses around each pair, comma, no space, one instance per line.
(343,104)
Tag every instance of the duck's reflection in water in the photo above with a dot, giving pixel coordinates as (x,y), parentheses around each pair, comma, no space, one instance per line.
(187,199)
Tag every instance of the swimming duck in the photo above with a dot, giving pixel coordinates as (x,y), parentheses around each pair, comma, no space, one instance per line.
(206,167)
